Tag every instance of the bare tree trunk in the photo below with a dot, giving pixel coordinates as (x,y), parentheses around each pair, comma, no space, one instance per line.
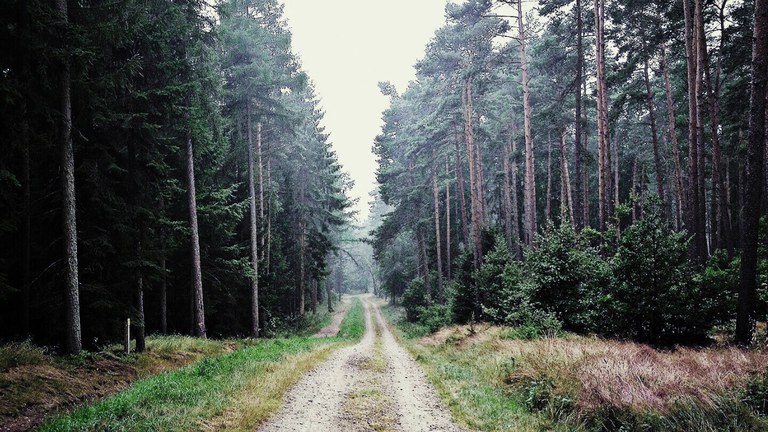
(197,275)
(507,192)
(447,219)
(474,189)
(566,199)
(254,222)
(328,295)
(603,146)
(269,212)
(578,153)
(635,195)
(313,284)
(163,295)
(530,175)
(140,323)
(692,202)
(73,343)
(658,166)
(548,198)
(260,165)
(586,198)
(462,197)
(679,187)
(753,177)
(701,66)
(615,182)
(438,242)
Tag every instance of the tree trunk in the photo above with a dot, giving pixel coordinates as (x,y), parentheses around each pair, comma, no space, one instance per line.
(566,199)
(474,189)
(635,195)
(328,296)
(197,275)
(530,175)
(578,153)
(254,222)
(701,66)
(462,196)
(658,166)
(26,233)
(692,201)
(679,187)
(615,182)
(163,296)
(447,219)
(313,284)
(140,323)
(548,198)
(603,146)
(269,212)
(73,343)
(438,241)
(509,230)
(585,172)
(260,165)
(753,177)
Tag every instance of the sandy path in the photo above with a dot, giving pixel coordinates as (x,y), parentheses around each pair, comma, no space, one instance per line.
(333,328)
(372,386)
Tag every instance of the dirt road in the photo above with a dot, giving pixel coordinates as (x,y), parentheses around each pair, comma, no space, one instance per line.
(372,386)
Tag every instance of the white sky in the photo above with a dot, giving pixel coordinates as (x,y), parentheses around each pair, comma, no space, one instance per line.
(347,47)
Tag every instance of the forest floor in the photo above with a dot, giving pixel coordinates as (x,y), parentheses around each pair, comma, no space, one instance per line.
(374,385)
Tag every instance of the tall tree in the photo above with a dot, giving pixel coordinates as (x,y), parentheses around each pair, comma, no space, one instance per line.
(753,177)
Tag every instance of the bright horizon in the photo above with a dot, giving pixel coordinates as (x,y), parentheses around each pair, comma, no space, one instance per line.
(347,49)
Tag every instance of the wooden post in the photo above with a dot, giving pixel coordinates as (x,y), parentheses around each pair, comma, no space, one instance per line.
(127,342)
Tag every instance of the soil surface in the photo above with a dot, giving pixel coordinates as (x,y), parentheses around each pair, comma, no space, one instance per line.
(333,328)
(372,386)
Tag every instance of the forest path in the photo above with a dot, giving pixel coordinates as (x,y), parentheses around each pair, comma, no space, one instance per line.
(372,386)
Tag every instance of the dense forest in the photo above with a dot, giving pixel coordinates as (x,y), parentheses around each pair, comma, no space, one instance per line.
(595,167)
(162,161)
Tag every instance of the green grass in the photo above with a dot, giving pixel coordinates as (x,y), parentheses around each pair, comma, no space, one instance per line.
(353,325)
(184,399)
(466,384)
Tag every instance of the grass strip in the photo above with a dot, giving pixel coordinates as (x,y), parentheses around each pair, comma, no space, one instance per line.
(462,380)
(202,394)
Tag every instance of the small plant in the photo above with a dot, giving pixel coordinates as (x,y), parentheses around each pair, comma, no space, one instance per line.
(22,353)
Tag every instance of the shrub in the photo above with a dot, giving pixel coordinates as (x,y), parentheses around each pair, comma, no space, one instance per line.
(567,277)
(654,298)
(415,299)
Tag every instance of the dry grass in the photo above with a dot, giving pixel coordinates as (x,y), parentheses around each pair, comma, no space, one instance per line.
(630,375)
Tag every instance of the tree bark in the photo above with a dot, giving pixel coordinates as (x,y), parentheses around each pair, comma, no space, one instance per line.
(692,201)
(657,164)
(671,119)
(260,165)
(603,146)
(753,177)
(198,309)
(438,241)
(566,198)
(254,222)
(73,343)
(474,189)
(530,175)
(507,192)
(462,196)
(447,219)
(548,198)
(578,153)
(701,66)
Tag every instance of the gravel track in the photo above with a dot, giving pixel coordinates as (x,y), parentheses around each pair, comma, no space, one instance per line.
(372,386)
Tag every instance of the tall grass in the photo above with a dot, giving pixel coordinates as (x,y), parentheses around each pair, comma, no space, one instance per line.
(22,353)
(493,383)
(353,324)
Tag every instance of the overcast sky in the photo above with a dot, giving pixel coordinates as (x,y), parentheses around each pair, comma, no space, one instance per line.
(347,47)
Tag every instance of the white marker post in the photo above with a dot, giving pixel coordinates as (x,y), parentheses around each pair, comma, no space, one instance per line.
(127,342)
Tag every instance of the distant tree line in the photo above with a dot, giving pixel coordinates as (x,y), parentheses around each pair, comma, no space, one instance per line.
(600,168)
(162,161)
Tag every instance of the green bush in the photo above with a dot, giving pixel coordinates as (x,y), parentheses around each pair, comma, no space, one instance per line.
(654,297)
(415,299)
(567,277)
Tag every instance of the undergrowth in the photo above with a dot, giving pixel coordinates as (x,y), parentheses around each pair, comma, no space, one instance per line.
(501,378)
